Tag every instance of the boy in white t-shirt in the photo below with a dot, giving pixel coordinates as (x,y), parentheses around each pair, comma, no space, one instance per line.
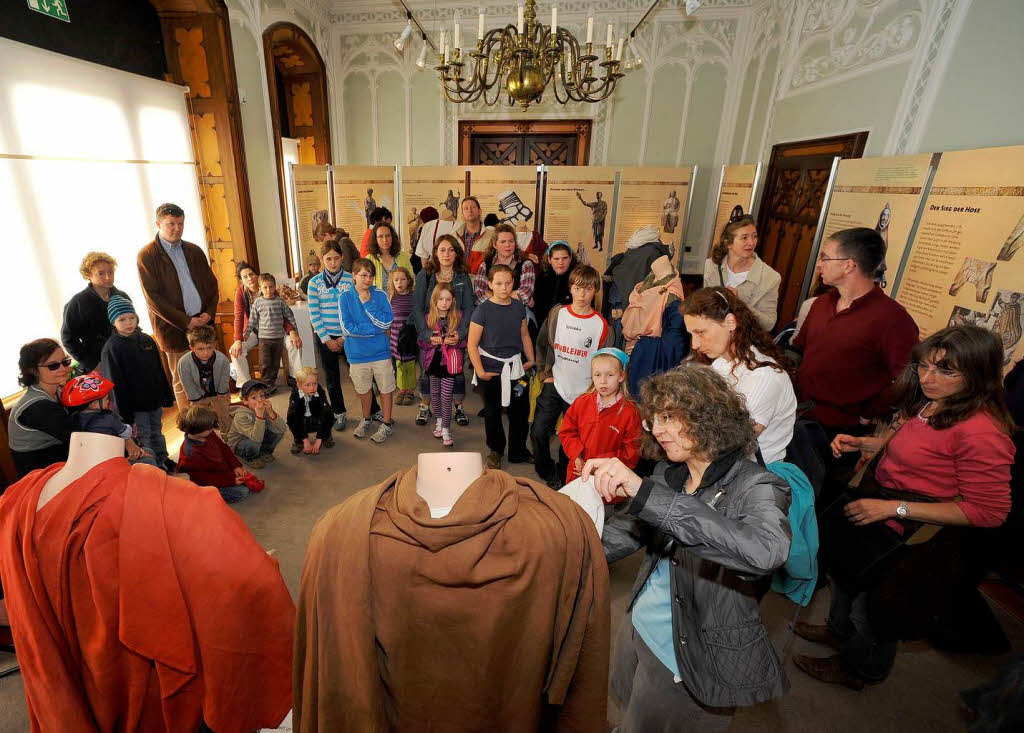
(568,340)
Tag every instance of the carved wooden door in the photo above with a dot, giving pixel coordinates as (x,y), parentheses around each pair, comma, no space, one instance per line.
(524,142)
(791,205)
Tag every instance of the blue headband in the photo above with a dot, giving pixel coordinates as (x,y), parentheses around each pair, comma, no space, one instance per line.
(617,353)
(555,244)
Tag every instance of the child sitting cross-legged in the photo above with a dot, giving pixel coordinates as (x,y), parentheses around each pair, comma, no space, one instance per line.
(207,459)
(442,357)
(255,428)
(309,414)
(603,422)
(366,324)
(87,398)
(205,372)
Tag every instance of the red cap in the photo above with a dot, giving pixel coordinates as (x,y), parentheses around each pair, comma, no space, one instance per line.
(84,389)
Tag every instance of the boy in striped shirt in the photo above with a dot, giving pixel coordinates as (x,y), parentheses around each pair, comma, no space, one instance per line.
(267,317)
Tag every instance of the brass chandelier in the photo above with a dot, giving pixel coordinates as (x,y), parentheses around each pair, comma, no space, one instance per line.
(519,62)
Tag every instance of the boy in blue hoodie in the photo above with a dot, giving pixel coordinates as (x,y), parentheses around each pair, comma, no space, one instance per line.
(366,325)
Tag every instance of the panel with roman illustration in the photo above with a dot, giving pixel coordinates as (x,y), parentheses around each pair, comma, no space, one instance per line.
(657,197)
(578,209)
(508,191)
(312,202)
(358,190)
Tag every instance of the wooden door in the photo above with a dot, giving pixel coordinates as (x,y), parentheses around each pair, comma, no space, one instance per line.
(791,205)
(524,142)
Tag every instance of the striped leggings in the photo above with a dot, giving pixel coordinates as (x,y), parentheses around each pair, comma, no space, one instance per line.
(441,399)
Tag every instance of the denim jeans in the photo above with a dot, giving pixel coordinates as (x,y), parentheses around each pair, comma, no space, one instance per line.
(151,436)
(250,450)
(231,494)
(862,653)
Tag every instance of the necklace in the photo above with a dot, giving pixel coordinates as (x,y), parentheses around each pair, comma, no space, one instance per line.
(445,276)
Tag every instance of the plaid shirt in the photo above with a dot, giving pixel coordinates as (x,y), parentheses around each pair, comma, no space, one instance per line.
(527,279)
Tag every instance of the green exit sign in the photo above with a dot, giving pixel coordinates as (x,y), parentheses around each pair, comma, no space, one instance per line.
(54,8)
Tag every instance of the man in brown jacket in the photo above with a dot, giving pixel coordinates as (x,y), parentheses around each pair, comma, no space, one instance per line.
(180,289)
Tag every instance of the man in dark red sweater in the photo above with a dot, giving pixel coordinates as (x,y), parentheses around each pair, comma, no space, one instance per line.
(856,340)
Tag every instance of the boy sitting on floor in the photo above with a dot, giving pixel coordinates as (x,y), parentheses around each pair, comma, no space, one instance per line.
(309,414)
(255,428)
(207,459)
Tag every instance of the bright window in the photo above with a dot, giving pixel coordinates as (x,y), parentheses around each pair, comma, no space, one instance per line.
(87,153)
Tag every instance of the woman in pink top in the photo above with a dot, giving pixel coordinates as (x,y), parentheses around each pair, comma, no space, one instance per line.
(947,464)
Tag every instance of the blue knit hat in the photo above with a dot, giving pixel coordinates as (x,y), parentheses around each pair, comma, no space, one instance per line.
(118,305)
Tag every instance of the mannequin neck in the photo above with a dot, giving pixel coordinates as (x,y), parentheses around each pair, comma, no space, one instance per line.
(86,451)
(661,268)
(441,478)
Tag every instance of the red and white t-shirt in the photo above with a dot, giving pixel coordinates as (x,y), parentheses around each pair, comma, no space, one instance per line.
(577,339)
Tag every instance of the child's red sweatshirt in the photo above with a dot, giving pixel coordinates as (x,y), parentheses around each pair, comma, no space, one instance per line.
(613,432)
(210,463)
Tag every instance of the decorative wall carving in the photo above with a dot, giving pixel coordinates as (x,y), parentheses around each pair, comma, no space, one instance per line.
(209,149)
(192,60)
(302,104)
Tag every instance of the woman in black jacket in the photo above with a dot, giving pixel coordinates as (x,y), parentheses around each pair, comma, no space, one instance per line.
(86,326)
(714,526)
(552,286)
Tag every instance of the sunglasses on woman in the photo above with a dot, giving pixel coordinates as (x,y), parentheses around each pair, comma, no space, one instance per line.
(55,365)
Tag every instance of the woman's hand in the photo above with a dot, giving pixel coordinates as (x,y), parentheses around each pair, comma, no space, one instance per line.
(435,340)
(866,511)
(612,478)
(235,350)
(451,339)
(843,443)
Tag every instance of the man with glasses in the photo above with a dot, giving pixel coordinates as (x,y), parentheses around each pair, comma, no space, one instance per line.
(856,340)
(180,289)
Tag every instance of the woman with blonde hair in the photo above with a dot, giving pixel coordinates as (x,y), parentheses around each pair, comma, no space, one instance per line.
(86,326)
(735,265)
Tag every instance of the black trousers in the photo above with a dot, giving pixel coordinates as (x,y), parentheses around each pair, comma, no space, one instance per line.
(550,407)
(271,351)
(518,420)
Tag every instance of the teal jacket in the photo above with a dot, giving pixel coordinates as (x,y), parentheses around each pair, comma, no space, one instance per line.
(797,578)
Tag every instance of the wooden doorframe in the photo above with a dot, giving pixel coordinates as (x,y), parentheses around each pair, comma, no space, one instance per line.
(581,128)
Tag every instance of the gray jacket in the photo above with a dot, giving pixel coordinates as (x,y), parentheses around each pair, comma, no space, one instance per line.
(188,373)
(723,549)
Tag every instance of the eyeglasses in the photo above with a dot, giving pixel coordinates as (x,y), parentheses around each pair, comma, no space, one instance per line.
(55,365)
(657,421)
(923,369)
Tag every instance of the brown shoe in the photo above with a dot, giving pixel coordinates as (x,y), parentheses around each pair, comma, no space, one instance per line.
(493,460)
(819,634)
(828,669)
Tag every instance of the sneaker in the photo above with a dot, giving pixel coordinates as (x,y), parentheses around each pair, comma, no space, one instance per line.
(383,433)
(254,463)
(340,421)
(296,448)
(460,415)
(493,460)
(378,416)
(267,457)
(328,443)
(364,428)
(423,415)
(437,429)
(446,439)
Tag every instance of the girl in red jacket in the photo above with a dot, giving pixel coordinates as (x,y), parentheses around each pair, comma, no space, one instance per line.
(207,459)
(603,422)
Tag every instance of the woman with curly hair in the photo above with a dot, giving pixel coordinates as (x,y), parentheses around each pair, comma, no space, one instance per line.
(713,525)
(86,327)
(735,265)
(947,464)
(725,333)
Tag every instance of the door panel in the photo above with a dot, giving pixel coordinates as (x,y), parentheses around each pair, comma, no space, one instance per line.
(791,205)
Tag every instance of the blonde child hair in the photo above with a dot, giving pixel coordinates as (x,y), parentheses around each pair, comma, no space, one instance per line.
(623,385)
(454,314)
(301,375)
(391,280)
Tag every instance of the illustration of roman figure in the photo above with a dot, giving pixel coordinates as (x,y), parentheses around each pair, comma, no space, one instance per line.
(369,205)
(451,202)
(1007,323)
(883,224)
(1013,242)
(670,213)
(598,212)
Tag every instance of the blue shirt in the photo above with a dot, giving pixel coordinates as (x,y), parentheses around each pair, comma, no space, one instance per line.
(652,615)
(191,301)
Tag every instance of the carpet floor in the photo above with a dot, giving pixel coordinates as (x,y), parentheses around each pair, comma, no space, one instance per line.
(920,694)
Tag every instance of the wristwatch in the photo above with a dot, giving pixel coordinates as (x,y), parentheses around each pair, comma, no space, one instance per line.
(902,511)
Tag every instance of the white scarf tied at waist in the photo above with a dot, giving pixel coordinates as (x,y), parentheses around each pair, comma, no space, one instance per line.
(511,368)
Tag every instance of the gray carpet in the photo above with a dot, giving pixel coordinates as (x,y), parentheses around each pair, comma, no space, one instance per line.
(920,695)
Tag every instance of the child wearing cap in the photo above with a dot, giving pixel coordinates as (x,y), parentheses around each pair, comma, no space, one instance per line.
(603,422)
(131,360)
(87,398)
(256,428)
(571,336)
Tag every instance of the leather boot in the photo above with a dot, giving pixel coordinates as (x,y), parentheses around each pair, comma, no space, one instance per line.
(828,669)
(819,634)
